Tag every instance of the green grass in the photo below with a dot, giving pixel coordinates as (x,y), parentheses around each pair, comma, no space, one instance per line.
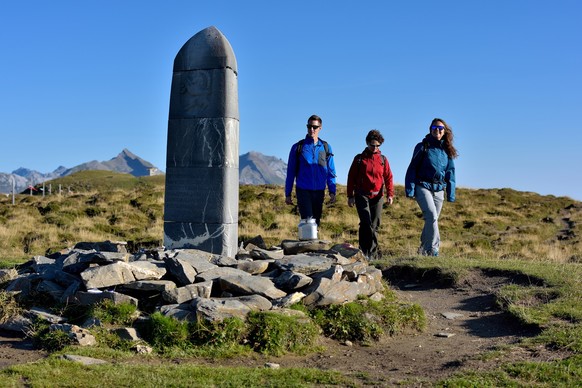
(562,373)
(56,372)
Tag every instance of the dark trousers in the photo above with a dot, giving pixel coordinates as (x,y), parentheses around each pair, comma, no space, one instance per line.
(310,203)
(370,213)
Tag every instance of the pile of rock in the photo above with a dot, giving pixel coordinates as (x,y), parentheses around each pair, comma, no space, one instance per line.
(190,284)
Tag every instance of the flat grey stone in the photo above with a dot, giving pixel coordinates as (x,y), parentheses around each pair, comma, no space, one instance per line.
(290,281)
(128,334)
(181,271)
(51,289)
(451,315)
(444,335)
(218,309)
(289,300)
(103,246)
(188,292)
(84,298)
(219,272)
(84,360)
(199,260)
(151,285)
(305,264)
(265,254)
(254,267)
(107,275)
(147,270)
(46,315)
(17,323)
(294,247)
(248,285)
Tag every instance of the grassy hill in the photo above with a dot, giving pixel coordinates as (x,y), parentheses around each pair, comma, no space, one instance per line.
(102,205)
(520,234)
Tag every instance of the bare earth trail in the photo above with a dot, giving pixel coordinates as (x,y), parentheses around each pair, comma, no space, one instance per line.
(474,326)
(477,327)
(16,350)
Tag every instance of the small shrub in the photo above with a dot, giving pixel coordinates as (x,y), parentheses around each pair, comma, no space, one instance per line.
(276,334)
(47,339)
(8,306)
(229,332)
(113,219)
(51,207)
(60,219)
(115,314)
(111,339)
(166,332)
(350,321)
(365,320)
(77,314)
(29,240)
(93,211)
(267,220)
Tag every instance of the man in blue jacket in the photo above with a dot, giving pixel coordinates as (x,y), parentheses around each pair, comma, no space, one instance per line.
(311,167)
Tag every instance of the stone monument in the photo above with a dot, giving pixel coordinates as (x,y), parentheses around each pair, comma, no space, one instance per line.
(202,172)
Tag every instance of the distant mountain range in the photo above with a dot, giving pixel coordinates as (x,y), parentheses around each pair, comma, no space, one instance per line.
(255,169)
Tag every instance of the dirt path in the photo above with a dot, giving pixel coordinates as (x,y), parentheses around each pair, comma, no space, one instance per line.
(462,324)
(16,350)
(474,326)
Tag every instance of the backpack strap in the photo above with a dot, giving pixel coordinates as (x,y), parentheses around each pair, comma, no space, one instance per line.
(299,149)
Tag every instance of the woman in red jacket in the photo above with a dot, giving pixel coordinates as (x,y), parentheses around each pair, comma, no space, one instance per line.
(369,179)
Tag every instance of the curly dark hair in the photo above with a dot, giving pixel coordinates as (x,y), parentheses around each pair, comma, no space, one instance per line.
(447,138)
(374,134)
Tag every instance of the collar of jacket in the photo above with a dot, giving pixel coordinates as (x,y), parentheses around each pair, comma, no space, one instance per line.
(367,152)
(434,141)
(309,140)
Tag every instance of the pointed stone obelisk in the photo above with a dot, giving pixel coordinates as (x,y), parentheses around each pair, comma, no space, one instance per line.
(201,201)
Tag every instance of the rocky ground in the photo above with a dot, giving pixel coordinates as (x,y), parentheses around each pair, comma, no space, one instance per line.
(463,325)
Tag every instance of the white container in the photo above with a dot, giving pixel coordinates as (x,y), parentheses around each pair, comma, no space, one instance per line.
(307,229)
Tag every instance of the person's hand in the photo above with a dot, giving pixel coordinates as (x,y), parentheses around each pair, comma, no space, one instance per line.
(351,202)
(390,200)
(331,198)
(289,200)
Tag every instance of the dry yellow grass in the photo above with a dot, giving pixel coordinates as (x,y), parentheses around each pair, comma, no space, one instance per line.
(496,223)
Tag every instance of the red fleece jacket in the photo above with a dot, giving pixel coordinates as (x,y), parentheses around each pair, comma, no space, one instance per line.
(367,174)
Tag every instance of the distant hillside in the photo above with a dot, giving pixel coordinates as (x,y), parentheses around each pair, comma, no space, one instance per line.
(258,169)
(125,162)
(255,169)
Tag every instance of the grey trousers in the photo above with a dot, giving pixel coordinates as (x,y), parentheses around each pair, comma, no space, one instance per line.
(370,214)
(431,203)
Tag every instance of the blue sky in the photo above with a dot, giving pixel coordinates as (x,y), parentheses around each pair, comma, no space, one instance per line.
(81,80)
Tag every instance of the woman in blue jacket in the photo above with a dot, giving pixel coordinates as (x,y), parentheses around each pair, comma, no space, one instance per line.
(430,173)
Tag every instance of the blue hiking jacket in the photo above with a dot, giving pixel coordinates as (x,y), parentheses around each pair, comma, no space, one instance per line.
(312,170)
(432,168)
